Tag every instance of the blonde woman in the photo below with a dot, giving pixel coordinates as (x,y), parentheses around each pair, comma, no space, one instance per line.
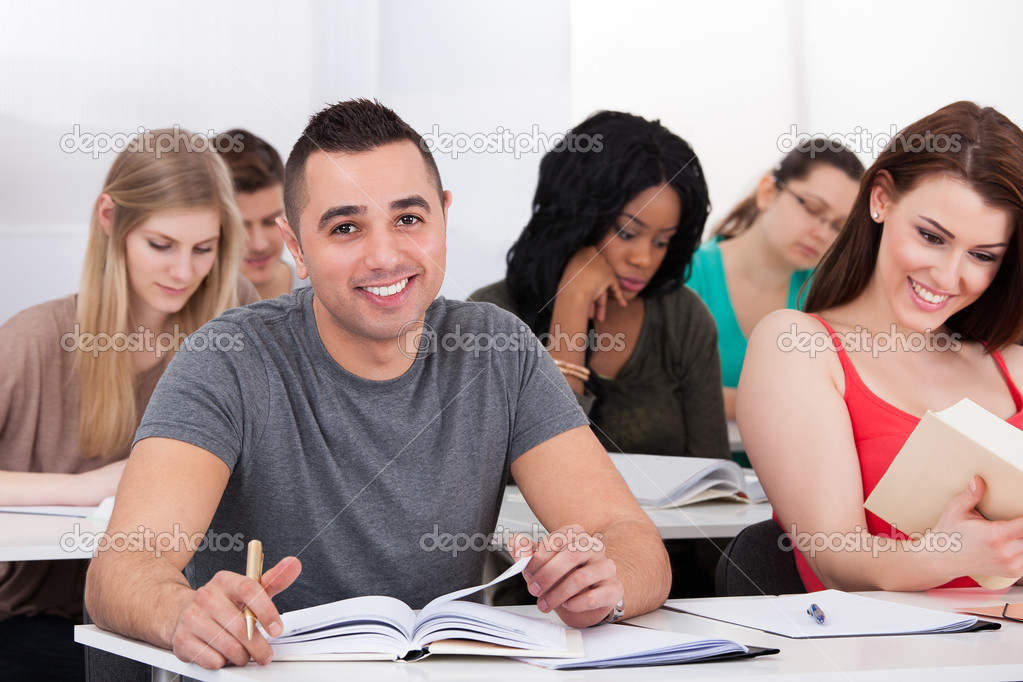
(165,242)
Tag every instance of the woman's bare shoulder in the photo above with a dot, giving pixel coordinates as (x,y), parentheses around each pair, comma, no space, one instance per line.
(1013,356)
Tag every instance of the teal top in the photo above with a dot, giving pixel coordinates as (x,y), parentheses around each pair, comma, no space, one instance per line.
(708,280)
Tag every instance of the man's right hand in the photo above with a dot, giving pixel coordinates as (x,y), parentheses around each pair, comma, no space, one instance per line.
(210,629)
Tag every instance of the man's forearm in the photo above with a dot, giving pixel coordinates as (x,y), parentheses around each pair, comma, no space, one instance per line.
(136,595)
(642,564)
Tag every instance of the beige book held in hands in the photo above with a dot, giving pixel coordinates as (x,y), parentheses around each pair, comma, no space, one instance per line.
(943,453)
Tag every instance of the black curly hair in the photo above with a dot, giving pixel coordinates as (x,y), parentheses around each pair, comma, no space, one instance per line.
(583,185)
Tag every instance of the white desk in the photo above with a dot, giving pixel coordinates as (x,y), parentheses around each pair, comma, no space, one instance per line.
(36,537)
(703,519)
(975,656)
(734,439)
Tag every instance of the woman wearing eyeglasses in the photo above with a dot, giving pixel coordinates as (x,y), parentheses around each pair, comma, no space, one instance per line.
(765,249)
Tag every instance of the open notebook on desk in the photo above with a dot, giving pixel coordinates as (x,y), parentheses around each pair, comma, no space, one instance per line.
(660,482)
(845,615)
(382,628)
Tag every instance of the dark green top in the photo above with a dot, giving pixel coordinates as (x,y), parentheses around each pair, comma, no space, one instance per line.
(666,400)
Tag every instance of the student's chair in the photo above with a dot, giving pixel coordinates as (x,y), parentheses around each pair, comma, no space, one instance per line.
(755,562)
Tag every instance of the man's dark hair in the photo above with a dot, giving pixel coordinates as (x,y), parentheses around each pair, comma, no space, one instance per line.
(356,125)
(254,164)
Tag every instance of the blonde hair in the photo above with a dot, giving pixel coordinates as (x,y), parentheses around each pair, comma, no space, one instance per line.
(160,170)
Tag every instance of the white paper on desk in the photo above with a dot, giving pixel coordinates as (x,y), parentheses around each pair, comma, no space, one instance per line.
(610,646)
(845,615)
(100,513)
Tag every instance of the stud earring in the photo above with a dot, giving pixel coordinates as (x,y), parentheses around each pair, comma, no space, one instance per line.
(875,215)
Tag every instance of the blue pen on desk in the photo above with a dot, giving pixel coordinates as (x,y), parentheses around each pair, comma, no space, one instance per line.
(815,612)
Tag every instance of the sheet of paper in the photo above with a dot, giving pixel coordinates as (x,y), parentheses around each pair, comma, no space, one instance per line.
(621,645)
(846,615)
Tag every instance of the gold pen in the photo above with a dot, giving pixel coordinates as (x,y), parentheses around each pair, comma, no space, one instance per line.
(254,570)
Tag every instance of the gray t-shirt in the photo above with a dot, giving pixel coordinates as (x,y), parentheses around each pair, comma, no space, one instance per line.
(377,486)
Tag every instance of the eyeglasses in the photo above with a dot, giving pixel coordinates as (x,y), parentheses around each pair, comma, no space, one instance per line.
(812,209)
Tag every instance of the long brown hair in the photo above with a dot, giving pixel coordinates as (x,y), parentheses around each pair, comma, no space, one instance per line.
(978,146)
(797,165)
(161,170)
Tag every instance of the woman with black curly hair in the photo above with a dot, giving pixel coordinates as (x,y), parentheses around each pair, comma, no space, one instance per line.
(597,274)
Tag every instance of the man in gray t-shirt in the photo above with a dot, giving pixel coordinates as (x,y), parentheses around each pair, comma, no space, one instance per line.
(353,424)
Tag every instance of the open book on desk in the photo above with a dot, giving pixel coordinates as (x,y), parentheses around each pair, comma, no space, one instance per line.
(845,615)
(384,628)
(945,450)
(660,482)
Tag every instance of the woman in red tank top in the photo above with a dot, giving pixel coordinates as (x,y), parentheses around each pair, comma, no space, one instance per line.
(918,304)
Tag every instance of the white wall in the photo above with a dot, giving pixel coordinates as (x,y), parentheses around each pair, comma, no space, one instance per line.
(730,77)
(718,74)
(473,70)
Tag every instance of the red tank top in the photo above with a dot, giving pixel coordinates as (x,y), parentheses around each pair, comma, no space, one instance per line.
(880,430)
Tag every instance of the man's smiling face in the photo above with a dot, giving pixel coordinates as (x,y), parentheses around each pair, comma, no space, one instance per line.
(373,241)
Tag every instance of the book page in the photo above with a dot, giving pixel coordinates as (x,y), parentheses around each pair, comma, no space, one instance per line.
(479,622)
(573,648)
(362,648)
(447,618)
(514,569)
(370,614)
(384,626)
